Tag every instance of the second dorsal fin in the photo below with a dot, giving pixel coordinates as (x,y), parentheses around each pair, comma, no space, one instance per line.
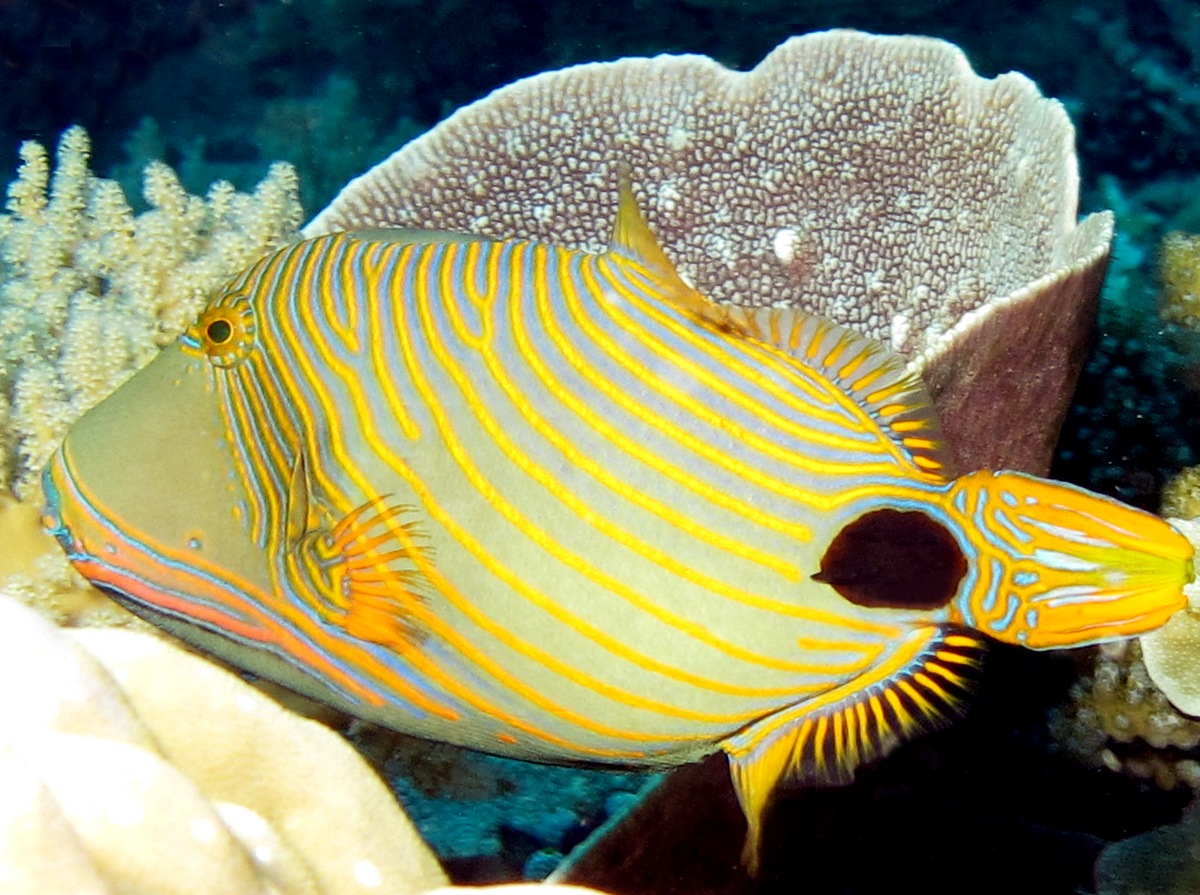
(875,378)
(863,368)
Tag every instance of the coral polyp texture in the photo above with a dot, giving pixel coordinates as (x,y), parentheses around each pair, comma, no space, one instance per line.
(89,290)
(1117,718)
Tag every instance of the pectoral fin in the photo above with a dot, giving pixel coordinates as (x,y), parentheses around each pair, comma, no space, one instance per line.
(365,573)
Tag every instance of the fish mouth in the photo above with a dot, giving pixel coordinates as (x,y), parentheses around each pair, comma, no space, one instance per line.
(52,517)
(68,522)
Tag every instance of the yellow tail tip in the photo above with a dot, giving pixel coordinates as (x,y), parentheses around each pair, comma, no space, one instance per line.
(1061,566)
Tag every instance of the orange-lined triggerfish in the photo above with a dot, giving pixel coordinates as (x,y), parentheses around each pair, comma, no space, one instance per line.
(562,507)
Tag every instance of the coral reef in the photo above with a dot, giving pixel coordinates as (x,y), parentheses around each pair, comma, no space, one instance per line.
(1127,72)
(90,291)
(130,765)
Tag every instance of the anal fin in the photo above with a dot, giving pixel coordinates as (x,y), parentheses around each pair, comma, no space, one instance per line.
(823,740)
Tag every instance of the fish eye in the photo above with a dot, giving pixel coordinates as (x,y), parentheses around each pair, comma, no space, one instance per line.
(225,330)
(219,332)
(894,559)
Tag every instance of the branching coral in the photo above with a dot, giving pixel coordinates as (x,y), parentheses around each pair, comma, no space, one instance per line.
(89,290)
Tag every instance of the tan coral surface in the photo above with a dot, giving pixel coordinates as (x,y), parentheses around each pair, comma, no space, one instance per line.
(128,765)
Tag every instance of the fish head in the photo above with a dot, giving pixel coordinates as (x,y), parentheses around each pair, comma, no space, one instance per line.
(145,498)
(1058,566)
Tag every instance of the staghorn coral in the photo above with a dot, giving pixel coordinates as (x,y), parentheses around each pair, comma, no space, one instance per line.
(116,781)
(89,290)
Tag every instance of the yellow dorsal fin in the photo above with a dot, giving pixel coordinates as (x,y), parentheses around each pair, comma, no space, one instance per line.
(632,238)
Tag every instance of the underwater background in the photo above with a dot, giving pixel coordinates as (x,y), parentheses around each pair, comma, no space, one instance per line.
(1017,796)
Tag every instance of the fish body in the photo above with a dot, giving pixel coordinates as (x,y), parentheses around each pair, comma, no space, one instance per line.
(558,506)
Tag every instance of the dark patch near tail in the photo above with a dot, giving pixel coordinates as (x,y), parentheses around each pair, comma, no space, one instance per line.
(894,559)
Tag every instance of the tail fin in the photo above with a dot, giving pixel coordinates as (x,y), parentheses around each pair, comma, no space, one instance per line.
(1061,566)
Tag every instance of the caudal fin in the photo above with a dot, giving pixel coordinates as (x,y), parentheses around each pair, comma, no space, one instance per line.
(1060,566)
